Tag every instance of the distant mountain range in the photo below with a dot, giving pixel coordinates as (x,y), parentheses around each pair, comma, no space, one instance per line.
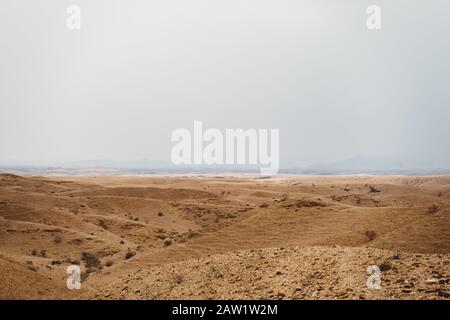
(366,165)
(354,165)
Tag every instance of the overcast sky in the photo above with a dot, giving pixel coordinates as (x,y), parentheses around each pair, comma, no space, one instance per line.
(138,69)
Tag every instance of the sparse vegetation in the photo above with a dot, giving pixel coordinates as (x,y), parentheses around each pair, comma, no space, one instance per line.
(109,263)
(167,242)
(372,189)
(130,254)
(41,253)
(57,240)
(91,260)
(371,234)
(103,224)
(161,236)
(385,266)
(433,209)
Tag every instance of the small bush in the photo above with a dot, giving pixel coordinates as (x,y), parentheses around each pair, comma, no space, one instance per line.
(371,234)
(109,263)
(130,254)
(167,242)
(433,209)
(57,240)
(91,260)
(372,189)
(385,266)
(103,224)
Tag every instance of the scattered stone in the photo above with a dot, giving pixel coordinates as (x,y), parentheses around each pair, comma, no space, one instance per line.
(281,295)
(396,256)
(406,290)
(432,281)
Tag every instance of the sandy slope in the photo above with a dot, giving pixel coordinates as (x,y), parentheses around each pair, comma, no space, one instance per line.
(289,273)
(144,232)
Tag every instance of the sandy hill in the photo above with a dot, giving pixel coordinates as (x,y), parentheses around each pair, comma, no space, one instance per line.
(124,230)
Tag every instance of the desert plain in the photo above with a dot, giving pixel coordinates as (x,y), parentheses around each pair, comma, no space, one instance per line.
(225,236)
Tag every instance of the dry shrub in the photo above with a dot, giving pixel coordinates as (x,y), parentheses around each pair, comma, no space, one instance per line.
(57,240)
(103,224)
(91,260)
(385,266)
(433,209)
(371,234)
(130,254)
(109,263)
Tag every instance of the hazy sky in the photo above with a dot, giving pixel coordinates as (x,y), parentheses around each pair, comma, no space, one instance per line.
(138,69)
